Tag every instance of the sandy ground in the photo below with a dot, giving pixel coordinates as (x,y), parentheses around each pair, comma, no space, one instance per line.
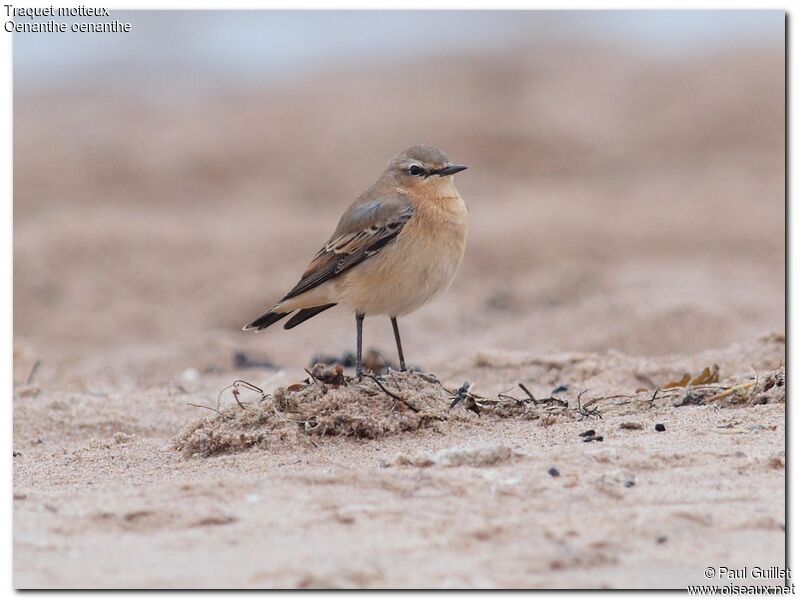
(627,227)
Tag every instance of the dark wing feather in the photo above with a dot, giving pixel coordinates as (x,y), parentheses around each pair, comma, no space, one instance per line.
(265,321)
(305,315)
(363,231)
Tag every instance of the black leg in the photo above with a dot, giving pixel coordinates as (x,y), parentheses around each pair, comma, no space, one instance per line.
(399,344)
(359,325)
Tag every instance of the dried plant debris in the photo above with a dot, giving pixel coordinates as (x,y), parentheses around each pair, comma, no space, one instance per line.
(705,388)
(771,390)
(767,390)
(709,375)
(327,404)
(373,360)
(332,376)
(548,409)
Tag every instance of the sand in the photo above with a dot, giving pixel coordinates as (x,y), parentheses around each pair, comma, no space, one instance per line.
(619,240)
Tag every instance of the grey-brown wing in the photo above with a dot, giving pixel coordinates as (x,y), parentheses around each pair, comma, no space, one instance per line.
(363,231)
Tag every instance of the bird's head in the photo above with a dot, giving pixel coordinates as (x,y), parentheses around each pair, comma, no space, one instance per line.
(424,169)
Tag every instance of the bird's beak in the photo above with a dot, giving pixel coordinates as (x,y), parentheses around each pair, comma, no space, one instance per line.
(450,170)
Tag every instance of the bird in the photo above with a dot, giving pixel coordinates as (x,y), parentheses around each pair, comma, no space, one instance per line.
(396,247)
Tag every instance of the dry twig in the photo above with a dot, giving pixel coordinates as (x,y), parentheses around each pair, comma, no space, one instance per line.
(392,394)
(34,368)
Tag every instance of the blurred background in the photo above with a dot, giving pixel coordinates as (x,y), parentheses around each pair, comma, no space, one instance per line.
(626,183)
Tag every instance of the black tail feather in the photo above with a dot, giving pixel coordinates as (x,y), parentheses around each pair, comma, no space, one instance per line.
(265,321)
(305,314)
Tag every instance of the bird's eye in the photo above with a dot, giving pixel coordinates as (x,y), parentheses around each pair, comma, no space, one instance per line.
(415,170)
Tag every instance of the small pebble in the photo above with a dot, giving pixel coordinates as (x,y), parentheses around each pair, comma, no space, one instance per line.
(593,438)
(661,539)
(587,433)
(630,483)
(660,427)
(559,389)
(553,472)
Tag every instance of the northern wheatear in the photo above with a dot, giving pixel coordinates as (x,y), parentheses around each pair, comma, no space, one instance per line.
(397,246)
